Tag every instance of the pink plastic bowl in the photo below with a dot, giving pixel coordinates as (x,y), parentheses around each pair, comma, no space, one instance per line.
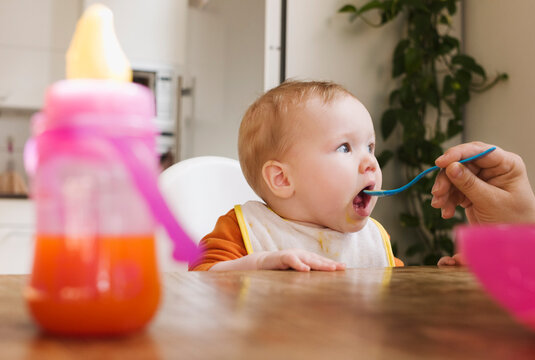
(503,259)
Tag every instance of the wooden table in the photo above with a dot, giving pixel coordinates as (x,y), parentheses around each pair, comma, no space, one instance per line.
(404,313)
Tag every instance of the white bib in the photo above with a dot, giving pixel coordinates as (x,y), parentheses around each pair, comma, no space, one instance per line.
(263,230)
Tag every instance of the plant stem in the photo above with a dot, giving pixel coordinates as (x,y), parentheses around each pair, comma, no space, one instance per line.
(489,86)
(368,22)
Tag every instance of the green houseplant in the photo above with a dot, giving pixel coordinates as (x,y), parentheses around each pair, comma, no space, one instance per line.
(434,81)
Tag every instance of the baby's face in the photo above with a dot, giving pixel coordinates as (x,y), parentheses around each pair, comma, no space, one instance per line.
(332,161)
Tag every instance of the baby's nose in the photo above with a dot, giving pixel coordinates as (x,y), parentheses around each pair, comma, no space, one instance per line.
(368,163)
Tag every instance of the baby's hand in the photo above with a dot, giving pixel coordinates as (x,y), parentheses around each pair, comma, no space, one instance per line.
(456,260)
(297,259)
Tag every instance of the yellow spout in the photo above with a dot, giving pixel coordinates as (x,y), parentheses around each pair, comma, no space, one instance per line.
(95,51)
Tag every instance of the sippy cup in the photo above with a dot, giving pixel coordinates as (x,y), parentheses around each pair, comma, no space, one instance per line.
(94,269)
(94,168)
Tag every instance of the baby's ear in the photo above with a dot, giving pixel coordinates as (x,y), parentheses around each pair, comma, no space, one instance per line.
(277,179)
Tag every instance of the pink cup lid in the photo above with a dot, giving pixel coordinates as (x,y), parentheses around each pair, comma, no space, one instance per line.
(98,103)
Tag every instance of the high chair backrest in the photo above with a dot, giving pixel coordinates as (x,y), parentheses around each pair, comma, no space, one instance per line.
(201,189)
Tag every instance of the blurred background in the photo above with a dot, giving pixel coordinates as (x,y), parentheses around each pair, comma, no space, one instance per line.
(207,60)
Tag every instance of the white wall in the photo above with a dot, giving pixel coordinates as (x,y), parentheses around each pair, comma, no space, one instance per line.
(150,31)
(499,34)
(324,45)
(225,56)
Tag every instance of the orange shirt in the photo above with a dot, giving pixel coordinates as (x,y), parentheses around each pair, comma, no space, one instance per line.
(225,242)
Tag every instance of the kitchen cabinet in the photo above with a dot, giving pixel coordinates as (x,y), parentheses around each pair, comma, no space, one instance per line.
(17,230)
(34,36)
(25,74)
(17,224)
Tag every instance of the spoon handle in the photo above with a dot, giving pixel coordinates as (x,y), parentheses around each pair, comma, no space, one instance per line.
(421,175)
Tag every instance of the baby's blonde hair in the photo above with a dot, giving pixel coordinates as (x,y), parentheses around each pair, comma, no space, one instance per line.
(266,130)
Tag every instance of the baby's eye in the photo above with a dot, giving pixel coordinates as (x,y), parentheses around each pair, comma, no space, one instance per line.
(371,148)
(344,148)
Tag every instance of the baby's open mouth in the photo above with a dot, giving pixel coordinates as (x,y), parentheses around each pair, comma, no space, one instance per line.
(362,199)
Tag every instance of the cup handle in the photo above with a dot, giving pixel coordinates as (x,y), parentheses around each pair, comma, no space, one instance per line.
(146,182)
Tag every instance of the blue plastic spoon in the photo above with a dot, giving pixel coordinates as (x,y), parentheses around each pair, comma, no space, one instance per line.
(421,175)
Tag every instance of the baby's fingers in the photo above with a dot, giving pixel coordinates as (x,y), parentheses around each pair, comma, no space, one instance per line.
(302,260)
(294,262)
(323,264)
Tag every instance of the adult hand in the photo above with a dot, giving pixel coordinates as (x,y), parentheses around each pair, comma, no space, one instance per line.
(492,189)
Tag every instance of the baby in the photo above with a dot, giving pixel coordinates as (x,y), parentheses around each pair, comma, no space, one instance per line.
(307,149)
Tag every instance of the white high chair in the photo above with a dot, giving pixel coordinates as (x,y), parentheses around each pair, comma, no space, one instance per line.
(198,191)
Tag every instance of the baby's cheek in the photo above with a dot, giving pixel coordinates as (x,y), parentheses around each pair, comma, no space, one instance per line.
(379,179)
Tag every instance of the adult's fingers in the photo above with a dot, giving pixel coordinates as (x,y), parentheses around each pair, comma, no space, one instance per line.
(467,150)
(442,185)
(467,182)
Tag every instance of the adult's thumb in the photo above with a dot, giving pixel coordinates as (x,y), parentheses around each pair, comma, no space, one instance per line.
(466,181)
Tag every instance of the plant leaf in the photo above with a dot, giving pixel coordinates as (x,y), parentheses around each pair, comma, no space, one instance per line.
(468,63)
(440,137)
(463,60)
(413,60)
(447,44)
(407,96)
(456,110)
(388,122)
(409,220)
(454,128)
(447,85)
(394,247)
(432,97)
(414,249)
(478,69)
(463,77)
(452,7)
(446,245)
(348,8)
(384,157)
(448,224)
(394,95)
(431,259)
(374,4)
(431,216)
(398,61)
(430,151)
(445,20)
(462,97)
(415,4)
